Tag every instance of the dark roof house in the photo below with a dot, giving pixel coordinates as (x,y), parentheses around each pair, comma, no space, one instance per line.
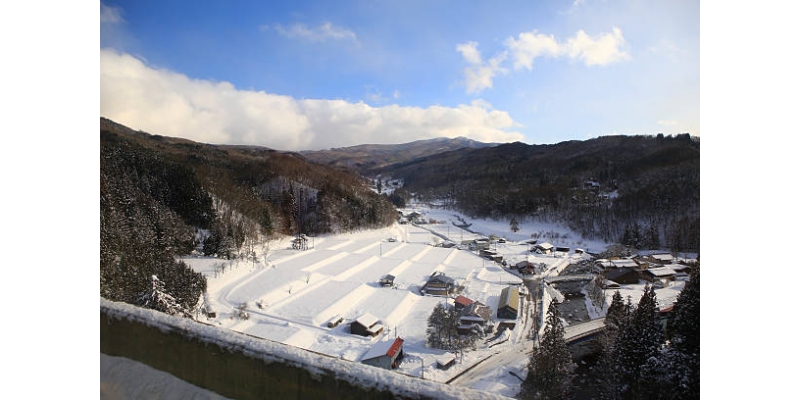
(626,276)
(366,325)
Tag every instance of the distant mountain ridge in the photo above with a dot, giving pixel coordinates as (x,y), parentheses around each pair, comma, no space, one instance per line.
(367,157)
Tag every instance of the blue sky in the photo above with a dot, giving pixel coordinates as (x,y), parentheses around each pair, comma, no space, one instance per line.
(311,75)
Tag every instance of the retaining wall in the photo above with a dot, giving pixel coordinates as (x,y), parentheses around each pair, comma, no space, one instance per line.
(239,366)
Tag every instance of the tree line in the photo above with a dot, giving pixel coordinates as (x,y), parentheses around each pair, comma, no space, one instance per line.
(641,358)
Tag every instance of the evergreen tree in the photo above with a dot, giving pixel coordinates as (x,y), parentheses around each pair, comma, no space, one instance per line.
(157,298)
(443,328)
(637,342)
(550,371)
(683,332)
(514,225)
(617,317)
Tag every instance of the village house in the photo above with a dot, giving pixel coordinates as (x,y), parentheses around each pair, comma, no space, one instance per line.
(480,244)
(491,255)
(474,318)
(624,263)
(461,302)
(625,276)
(525,268)
(439,285)
(543,248)
(385,354)
(659,275)
(508,305)
(366,325)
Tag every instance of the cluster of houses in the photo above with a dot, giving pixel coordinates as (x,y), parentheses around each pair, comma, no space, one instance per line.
(474,318)
(658,269)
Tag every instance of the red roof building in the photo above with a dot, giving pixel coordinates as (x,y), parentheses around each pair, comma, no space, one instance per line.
(385,354)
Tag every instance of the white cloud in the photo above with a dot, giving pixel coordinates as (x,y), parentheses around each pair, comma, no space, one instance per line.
(602,49)
(667,123)
(599,50)
(167,103)
(321,33)
(110,14)
(479,75)
(531,45)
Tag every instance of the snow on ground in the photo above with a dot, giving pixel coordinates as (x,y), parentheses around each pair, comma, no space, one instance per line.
(291,295)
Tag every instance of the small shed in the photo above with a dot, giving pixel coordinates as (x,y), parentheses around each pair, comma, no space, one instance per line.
(209,311)
(335,321)
(387,280)
(562,249)
(445,361)
(385,354)
(508,305)
(366,325)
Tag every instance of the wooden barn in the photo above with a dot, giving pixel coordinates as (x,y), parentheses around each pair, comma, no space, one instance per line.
(366,325)
(508,306)
(385,354)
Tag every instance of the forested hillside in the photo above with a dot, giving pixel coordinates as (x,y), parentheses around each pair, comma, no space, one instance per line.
(161,197)
(643,191)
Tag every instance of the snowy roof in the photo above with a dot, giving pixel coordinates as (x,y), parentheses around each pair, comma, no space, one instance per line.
(661,271)
(625,262)
(384,348)
(442,278)
(544,245)
(663,257)
(367,320)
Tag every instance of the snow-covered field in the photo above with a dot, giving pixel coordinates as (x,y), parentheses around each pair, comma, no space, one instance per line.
(291,295)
